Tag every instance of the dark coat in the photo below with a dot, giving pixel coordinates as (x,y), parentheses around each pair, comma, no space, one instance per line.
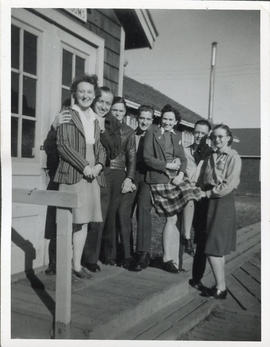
(126,159)
(111,137)
(155,157)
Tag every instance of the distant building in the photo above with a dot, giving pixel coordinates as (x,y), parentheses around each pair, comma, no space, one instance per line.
(49,47)
(249,148)
(137,93)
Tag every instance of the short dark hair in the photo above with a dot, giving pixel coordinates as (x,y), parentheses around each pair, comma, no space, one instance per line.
(203,122)
(106,90)
(91,79)
(169,108)
(99,93)
(227,129)
(119,100)
(146,108)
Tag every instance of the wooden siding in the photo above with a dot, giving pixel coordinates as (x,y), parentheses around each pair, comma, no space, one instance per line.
(105,24)
(250,176)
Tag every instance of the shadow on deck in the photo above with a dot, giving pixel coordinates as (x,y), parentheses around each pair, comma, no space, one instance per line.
(118,304)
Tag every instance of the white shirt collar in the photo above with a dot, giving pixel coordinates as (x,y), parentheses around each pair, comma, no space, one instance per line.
(162,130)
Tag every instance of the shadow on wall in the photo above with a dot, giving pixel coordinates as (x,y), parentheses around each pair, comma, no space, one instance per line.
(29,255)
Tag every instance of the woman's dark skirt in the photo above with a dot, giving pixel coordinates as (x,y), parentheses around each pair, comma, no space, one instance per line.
(221,226)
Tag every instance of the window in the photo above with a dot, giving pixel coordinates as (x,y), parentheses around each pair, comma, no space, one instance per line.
(73,65)
(24,80)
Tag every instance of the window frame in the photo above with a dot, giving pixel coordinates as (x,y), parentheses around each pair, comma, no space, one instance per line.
(20,71)
(90,57)
(48,100)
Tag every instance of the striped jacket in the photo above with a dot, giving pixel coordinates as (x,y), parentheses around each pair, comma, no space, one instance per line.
(71,146)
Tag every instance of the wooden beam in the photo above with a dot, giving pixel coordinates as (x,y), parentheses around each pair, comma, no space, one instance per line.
(44,197)
(63,273)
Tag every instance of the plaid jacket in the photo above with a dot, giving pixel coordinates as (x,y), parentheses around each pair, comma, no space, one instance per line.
(71,146)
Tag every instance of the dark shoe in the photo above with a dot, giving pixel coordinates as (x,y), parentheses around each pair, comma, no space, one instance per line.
(189,247)
(142,262)
(197,285)
(207,292)
(110,262)
(220,294)
(128,263)
(93,267)
(181,269)
(170,267)
(51,270)
(82,274)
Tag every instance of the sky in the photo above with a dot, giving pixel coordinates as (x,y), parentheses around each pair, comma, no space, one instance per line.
(179,63)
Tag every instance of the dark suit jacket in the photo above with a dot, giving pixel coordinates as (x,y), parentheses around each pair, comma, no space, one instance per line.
(71,147)
(154,154)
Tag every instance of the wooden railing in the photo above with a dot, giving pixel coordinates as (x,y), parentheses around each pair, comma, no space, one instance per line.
(64,202)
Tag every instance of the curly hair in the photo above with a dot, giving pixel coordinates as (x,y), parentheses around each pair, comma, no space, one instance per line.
(91,79)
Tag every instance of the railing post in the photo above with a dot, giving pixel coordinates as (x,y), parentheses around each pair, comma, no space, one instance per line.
(63,273)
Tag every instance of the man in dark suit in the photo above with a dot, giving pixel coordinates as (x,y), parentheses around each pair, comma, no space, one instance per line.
(140,198)
(195,153)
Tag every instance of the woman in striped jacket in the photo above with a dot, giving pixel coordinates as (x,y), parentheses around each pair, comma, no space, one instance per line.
(81,160)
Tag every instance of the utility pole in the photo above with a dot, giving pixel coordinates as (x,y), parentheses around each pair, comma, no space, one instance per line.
(212,81)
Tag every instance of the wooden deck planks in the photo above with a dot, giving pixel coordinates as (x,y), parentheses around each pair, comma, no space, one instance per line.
(248,282)
(252,270)
(246,300)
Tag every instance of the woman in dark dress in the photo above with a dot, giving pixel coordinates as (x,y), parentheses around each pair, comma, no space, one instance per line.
(219,178)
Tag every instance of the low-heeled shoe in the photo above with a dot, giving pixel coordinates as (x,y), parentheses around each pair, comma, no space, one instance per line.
(81,274)
(197,285)
(92,267)
(110,262)
(170,267)
(51,270)
(220,294)
(214,292)
(142,262)
(128,263)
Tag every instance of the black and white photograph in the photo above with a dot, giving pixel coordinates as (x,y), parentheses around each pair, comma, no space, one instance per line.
(134,172)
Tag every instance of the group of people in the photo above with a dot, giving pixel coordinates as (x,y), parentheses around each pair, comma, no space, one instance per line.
(116,171)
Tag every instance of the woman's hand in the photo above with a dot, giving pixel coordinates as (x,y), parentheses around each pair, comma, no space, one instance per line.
(62,117)
(178,179)
(96,170)
(203,194)
(127,186)
(174,165)
(88,172)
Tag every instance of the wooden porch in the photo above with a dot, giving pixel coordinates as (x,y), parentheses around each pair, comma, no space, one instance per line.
(118,304)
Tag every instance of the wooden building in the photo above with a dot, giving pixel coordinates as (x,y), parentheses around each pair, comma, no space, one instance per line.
(137,94)
(249,149)
(49,47)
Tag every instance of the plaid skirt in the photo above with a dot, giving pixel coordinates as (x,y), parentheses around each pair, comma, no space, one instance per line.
(170,199)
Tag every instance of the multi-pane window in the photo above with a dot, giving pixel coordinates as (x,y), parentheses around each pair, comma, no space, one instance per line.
(73,65)
(24,79)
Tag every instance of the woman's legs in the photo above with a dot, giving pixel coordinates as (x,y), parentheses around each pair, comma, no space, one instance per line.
(171,237)
(79,238)
(188,213)
(218,267)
